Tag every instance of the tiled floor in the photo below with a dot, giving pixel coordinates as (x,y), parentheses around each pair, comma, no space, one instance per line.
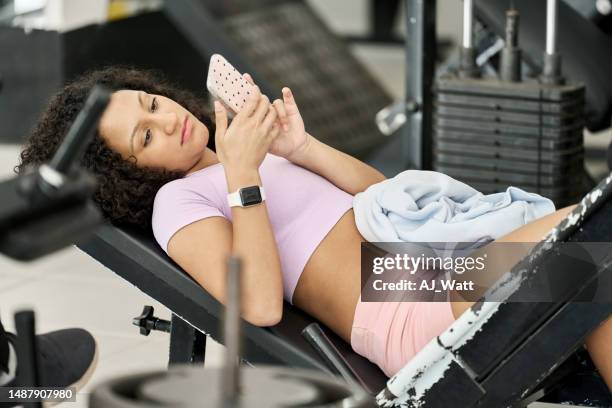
(70,289)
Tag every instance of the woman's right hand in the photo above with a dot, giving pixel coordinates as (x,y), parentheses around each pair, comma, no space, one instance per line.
(243,145)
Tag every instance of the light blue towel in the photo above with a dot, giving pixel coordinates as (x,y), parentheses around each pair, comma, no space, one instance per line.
(426,206)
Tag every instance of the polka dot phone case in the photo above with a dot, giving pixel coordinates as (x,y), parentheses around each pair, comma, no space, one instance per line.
(225,83)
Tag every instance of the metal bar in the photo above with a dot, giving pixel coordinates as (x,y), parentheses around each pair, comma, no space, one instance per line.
(27,353)
(467,62)
(551,27)
(510,64)
(468,23)
(232,332)
(523,369)
(187,344)
(323,345)
(420,61)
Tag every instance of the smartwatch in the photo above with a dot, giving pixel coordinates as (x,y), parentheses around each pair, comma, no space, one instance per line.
(246,196)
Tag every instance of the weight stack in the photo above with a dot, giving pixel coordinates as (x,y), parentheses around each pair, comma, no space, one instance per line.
(492,134)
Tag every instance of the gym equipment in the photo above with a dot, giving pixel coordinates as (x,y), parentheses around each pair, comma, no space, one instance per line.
(420,61)
(587,65)
(136,257)
(231,385)
(491,133)
(50,207)
(498,354)
(410,118)
(195,387)
(27,354)
(590,65)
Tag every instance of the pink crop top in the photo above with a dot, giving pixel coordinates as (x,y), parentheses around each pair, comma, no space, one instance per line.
(302,207)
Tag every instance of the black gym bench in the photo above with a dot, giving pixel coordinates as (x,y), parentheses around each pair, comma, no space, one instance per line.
(137,258)
(509,346)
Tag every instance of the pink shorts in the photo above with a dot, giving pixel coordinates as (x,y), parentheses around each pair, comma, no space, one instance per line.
(389,334)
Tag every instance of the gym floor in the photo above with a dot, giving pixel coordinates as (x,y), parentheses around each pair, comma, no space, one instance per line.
(70,289)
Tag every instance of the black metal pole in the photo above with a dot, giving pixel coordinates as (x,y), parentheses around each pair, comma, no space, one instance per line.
(27,354)
(187,344)
(420,64)
(382,18)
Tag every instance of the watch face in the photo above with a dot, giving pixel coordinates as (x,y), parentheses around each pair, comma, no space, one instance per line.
(250,195)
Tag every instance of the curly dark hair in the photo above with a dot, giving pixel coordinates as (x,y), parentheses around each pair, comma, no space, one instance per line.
(125,192)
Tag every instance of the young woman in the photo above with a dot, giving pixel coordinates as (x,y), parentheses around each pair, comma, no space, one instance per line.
(300,243)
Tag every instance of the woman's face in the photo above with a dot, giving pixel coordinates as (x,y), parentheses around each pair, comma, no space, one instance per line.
(159,132)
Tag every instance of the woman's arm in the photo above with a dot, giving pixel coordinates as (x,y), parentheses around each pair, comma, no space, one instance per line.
(346,172)
(241,148)
(202,247)
(296,145)
(253,241)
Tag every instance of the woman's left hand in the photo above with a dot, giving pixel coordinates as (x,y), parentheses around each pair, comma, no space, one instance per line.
(292,140)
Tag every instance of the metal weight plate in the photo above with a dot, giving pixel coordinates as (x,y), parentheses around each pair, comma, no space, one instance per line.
(188,386)
(260,388)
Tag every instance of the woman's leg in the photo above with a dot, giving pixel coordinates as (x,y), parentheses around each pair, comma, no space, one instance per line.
(599,346)
(532,232)
(599,343)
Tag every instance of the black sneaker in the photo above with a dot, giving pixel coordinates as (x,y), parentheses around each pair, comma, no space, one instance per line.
(67,358)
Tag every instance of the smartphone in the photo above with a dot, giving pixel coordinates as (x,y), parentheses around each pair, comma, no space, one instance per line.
(226,84)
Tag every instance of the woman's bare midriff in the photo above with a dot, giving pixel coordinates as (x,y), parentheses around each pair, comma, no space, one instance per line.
(330,285)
